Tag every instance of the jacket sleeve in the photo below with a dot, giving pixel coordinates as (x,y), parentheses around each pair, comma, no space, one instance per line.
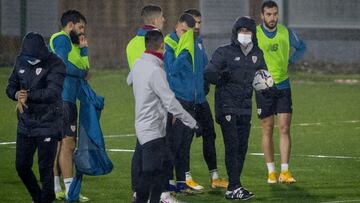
(182,61)
(13,85)
(261,60)
(169,58)
(299,46)
(62,48)
(161,88)
(53,90)
(215,72)
(129,79)
(206,83)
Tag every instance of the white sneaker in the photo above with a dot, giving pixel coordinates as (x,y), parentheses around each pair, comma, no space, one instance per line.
(168,197)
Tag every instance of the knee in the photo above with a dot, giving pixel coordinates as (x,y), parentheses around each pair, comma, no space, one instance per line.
(68,146)
(231,148)
(284,130)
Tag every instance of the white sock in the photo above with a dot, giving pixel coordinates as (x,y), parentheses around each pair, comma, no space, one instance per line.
(67,183)
(271,167)
(188,175)
(284,167)
(172,182)
(57,186)
(214,174)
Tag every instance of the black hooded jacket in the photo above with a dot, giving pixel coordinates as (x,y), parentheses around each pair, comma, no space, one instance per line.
(233,72)
(42,74)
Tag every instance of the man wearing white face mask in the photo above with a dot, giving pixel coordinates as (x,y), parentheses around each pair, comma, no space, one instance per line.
(232,69)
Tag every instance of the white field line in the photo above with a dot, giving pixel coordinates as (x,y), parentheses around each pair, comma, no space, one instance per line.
(252,154)
(120,150)
(121,135)
(262,154)
(312,156)
(7,143)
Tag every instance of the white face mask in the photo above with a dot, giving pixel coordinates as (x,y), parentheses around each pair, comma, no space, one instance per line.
(244,39)
(34,62)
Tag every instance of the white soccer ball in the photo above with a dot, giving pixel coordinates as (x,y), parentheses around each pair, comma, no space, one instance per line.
(262,80)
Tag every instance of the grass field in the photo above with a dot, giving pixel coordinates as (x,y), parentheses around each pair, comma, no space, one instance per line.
(326,122)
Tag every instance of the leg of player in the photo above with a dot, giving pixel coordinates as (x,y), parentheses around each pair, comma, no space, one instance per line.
(267,125)
(285,147)
(66,160)
(59,194)
(204,116)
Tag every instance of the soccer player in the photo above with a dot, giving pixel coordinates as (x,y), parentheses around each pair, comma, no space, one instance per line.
(182,76)
(275,40)
(36,84)
(153,18)
(203,112)
(232,69)
(153,100)
(70,44)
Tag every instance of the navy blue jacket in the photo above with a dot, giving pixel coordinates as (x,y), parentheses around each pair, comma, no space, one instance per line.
(233,72)
(44,83)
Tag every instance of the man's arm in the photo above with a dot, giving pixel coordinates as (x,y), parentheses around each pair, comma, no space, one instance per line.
(215,72)
(261,61)
(62,48)
(161,88)
(169,58)
(182,61)
(54,87)
(298,45)
(13,85)
(129,79)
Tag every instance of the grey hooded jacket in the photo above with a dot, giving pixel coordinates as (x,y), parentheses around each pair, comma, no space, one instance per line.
(154,99)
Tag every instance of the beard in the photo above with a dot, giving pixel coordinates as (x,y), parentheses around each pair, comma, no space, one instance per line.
(74,37)
(271,24)
(196,33)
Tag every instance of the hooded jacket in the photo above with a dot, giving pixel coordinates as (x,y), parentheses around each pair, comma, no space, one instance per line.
(42,74)
(154,99)
(233,72)
(184,70)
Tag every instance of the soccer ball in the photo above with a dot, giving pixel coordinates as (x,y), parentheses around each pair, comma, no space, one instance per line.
(262,80)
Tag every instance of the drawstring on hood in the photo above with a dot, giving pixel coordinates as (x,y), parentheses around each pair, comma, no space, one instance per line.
(243,22)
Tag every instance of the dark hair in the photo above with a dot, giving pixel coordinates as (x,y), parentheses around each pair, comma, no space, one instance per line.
(150,10)
(193,12)
(268,4)
(73,16)
(188,19)
(153,40)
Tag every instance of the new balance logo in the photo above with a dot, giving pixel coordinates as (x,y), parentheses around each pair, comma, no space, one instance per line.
(48,139)
(237,58)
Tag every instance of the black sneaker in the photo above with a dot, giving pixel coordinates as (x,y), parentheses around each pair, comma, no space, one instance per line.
(239,194)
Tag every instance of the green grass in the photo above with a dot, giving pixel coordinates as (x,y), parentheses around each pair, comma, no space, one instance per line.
(317,99)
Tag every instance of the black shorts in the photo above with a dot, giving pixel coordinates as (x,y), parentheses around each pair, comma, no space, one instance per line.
(272,102)
(69,119)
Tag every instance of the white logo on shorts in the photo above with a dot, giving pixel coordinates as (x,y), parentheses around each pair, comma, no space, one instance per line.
(38,71)
(21,71)
(200,46)
(73,128)
(48,139)
(228,117)
(258,111)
